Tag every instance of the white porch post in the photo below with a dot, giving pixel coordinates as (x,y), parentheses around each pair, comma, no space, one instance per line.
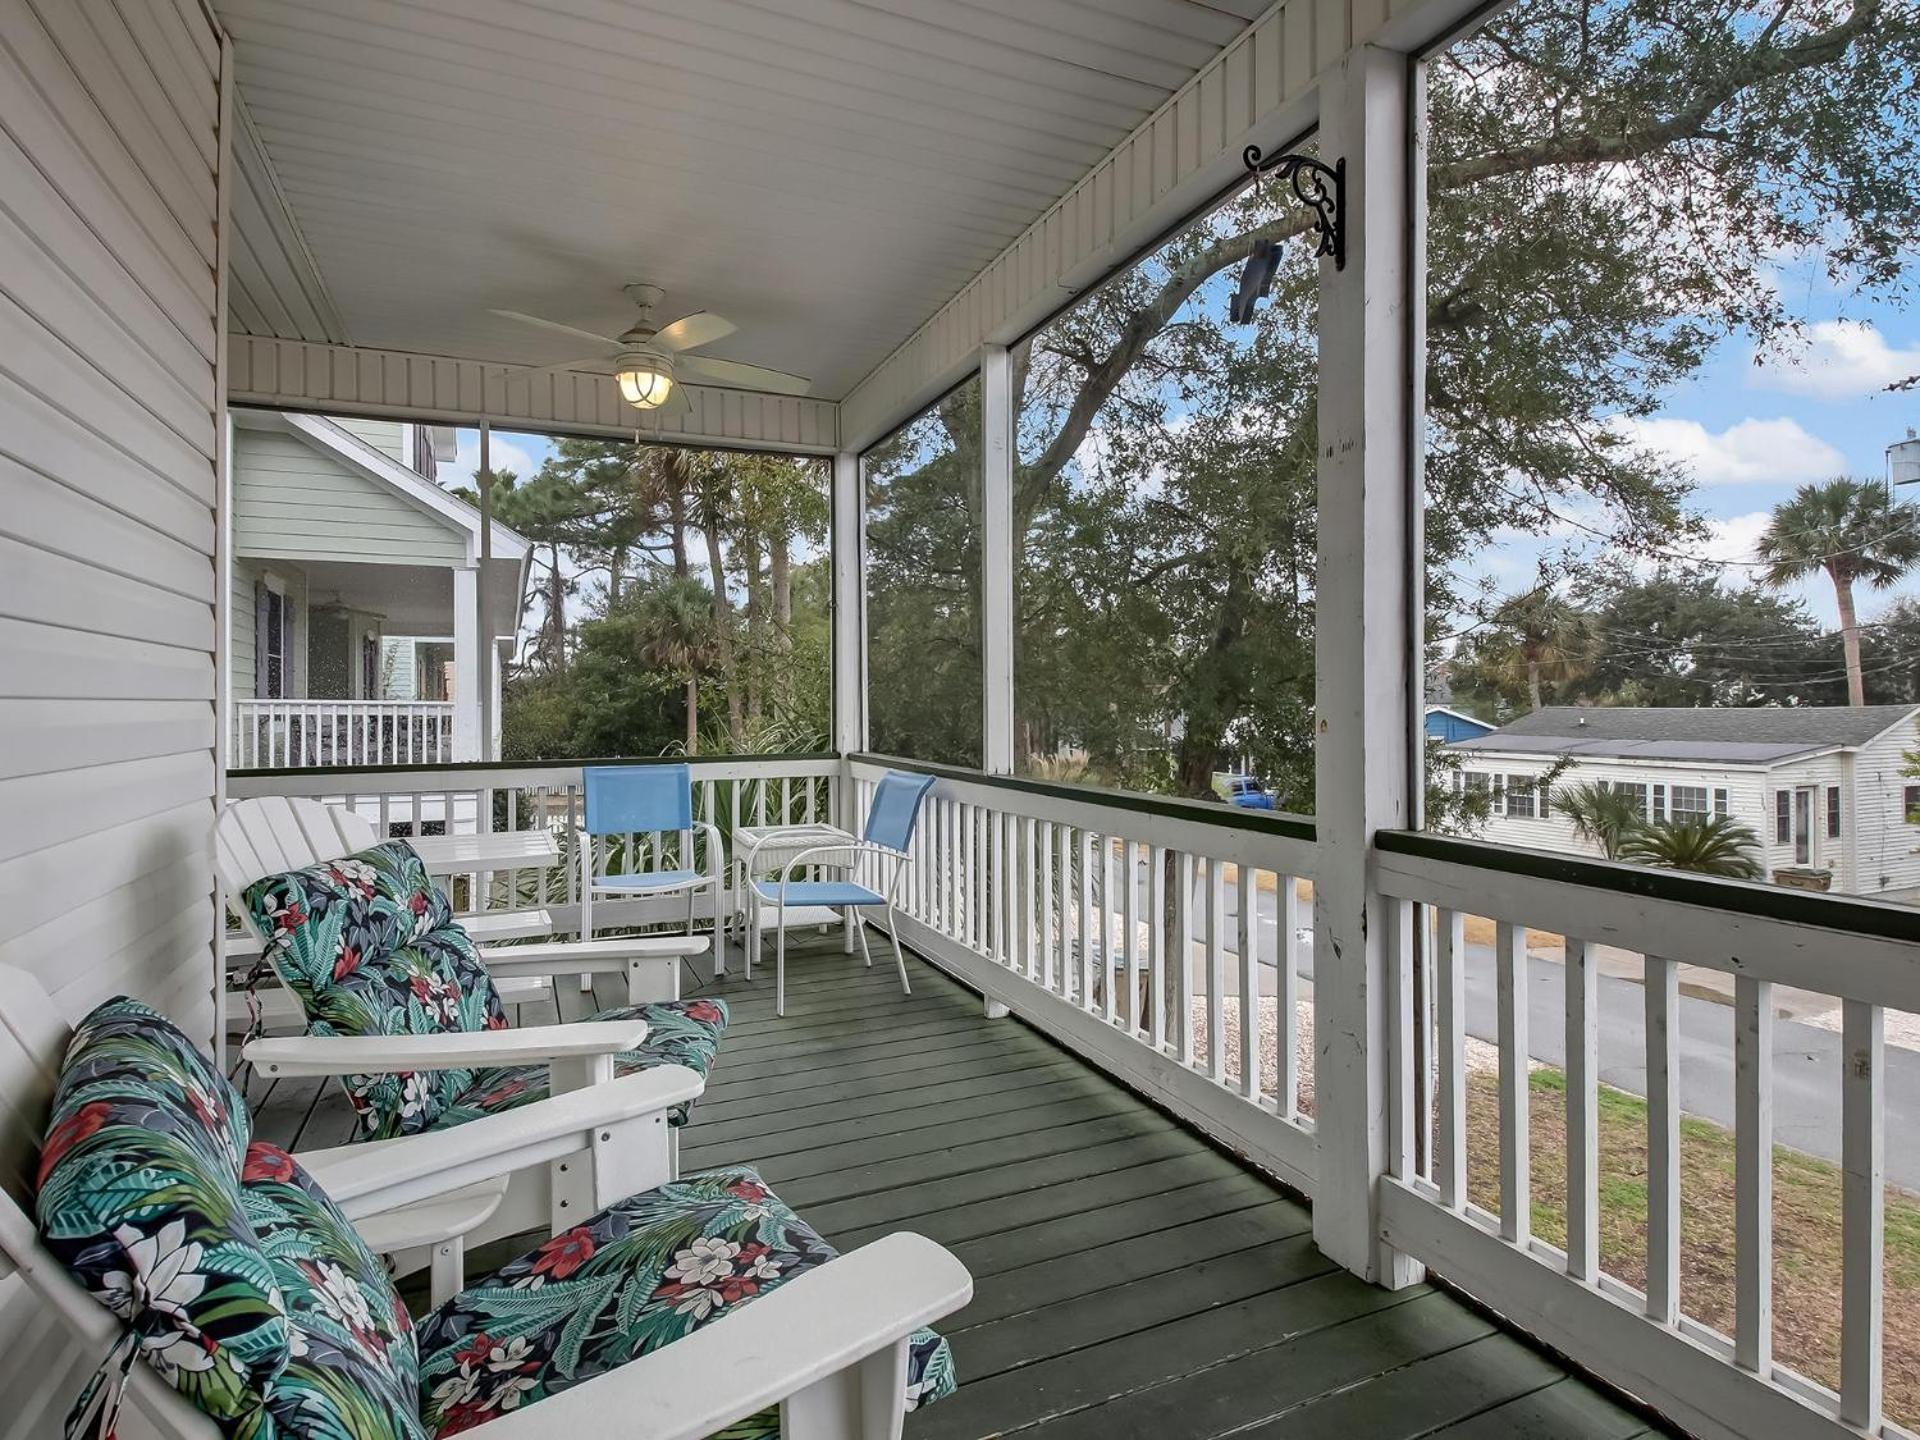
(849,606)
(467,645)
(488,689)
(996,559)
(1364,657)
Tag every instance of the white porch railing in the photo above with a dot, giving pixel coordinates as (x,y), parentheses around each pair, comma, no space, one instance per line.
(1714,1384)
(1162,939)
(322,734)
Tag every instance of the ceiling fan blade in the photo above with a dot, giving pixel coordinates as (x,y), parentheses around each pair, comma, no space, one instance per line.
(575,331)
(745,377)
(691,331)
(596,364)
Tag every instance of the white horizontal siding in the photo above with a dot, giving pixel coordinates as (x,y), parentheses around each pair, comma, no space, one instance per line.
(291,501)
(108,151)
(241,645)
(1889,847)
(386,436)
(340,380)
(1887,854)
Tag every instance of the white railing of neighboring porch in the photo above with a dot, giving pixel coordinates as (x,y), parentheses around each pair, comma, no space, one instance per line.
(340,734)
(1865,953)
(1076,907)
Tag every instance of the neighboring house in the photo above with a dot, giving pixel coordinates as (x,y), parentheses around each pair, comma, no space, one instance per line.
(357,597)
(1825,788)
(1448,725)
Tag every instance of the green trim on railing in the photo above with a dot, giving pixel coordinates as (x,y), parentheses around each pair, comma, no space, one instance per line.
(443,766)
(1849,914)
(1200,812)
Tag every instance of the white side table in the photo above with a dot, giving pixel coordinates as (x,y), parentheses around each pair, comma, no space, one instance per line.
(763,852)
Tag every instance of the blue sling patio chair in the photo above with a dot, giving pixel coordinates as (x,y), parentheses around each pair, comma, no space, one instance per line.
(642,800)
(883,844)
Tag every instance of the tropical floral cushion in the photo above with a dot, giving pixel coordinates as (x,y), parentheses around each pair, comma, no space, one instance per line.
(637,1276)
(352,1369)
(139,1196)
(679,1032)
(247,1290)
(368,946)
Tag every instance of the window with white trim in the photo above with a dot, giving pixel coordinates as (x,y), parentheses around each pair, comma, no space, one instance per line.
(1687,802)
(1520,792)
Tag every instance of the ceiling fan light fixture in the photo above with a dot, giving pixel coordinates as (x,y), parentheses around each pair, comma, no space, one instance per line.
(645,380)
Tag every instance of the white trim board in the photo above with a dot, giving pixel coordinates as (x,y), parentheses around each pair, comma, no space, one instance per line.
(296,375)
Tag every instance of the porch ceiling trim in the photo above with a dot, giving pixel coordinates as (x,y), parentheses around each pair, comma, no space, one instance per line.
(443,390)
(275,285)
(1260,90)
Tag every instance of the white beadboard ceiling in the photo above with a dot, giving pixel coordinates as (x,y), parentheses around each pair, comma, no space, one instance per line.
(826,173)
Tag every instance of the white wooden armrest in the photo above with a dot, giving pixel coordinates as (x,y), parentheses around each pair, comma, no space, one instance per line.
(792,1340)
(453,1214)
(292,1055)
(589,957)
(382,1175)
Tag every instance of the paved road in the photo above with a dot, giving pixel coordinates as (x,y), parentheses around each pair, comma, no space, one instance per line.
(1806,1075)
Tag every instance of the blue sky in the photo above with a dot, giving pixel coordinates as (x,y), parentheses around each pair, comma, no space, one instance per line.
(1751,434)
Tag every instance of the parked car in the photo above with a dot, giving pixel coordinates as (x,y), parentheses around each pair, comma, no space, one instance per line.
(1249,794)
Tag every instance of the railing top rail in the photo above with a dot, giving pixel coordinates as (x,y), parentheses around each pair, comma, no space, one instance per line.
(1849,914)
(502,775)
(1199,812)
(258,701)
(1859,949)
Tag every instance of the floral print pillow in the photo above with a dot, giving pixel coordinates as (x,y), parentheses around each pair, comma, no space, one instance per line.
(368,945)
(140,1197)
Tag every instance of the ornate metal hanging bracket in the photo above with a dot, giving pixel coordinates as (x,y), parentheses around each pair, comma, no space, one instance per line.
(1322,188)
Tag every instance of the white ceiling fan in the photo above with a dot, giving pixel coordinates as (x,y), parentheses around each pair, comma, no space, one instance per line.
(649,360)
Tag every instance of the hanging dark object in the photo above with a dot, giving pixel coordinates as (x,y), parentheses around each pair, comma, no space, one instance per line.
(1322,189)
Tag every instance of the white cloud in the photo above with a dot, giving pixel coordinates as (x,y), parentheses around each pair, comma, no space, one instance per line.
(504,455)
(1842,360)
(1780,451)
(1732,539)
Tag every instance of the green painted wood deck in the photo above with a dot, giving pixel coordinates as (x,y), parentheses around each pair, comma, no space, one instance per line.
(1131,1282)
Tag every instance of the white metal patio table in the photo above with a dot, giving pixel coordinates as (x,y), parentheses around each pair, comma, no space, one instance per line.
(763,852)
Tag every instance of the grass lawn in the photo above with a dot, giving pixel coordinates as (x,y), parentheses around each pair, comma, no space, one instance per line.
(1806,1234)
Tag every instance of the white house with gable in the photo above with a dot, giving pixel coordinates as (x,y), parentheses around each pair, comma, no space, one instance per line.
(361,591)
(1825,788)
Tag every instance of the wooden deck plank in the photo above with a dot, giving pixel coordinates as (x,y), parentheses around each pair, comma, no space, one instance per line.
(1150,1358)
(1131,1282)
(1566,1407)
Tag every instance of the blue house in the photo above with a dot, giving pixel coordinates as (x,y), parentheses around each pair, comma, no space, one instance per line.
(1448,726)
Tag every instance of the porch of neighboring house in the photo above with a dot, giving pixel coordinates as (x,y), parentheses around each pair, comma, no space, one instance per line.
(360,592)
(1130,1278)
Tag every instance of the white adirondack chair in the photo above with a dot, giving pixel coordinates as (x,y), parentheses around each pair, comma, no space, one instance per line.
(828,1346)
(273,834)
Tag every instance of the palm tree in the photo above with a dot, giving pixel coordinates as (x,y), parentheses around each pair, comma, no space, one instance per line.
(1536,632)
(1853,532)
(1601,816)
(677,635)
(1717,845)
